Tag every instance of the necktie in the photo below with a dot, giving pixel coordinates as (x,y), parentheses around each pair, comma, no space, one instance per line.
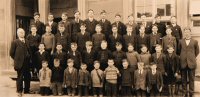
(44,76)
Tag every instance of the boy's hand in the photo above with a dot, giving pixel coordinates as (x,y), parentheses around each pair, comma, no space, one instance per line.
(176,74)
(148,90)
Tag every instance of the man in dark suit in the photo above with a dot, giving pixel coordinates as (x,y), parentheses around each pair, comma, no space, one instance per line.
(91,22)
(132,23)
(105,24)
(54,25)
(20,53)
(40,25)
(189,50)
(66,23)
(120,26)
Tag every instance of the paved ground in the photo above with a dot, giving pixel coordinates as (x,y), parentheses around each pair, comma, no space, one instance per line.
(7,88)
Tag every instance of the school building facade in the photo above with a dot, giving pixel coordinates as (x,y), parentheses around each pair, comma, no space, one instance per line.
(19,13)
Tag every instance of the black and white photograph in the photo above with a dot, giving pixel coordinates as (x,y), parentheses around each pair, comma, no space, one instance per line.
(99,48)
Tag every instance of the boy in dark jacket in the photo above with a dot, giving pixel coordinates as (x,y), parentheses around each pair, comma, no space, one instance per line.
(57,78)
(70,78)
(84,81)
(126,80)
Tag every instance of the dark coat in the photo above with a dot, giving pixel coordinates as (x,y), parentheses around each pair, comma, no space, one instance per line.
(75,28)
(188,53)
(84,78)
(64,40)
(153,40)
(121,28)
(118,56)
(161,28)
(126,78)
(90,26)
(160,61)
(57,74)
(54,27)
(81,39)
(158,79)
(106,27)
(77,58)
(67,27)
(20,52)
(70,79)
(172,64)
(177,32)
(89,58)
(40,57)
(140,41)
(112,41)
(148,29)
(62,57)
(129,39)
(40,27)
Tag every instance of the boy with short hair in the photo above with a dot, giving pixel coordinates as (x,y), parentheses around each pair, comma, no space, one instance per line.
(154,81)
(49,40)
(140,80)
(75,55)
(97,77)
(120,26)
(118,55)
(97,37)
(126,79)
(103,55)
(57,78)
(61,55)
(70,78)
(84,81)
(169,40)
(111,76)
(41,55)
(76,24)
(67,24)
(54,25)
(82,37)
(89,55)
(45,78)
(39,25)
(129,37)
(63,38)
(114,38)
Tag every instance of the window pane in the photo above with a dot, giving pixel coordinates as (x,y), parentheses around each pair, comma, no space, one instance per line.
(144,7)
(165,7)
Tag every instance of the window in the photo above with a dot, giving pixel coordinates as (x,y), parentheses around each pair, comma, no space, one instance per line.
(150,8)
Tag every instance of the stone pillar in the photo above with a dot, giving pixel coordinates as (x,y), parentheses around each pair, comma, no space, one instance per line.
(182,12)
(82,8)
(127,9)
(44,8)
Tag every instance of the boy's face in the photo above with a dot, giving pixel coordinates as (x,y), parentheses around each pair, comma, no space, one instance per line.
(130,48)
(61,29)
(158,49)
(110,62)
(168,31)
(154,29)
(125,64)
(140,66)
(144,49)
(98,29)
(44,65)
(73,47)
(50,17)
(117,18)
(129,29)
(158,19)
(41,47)
(59,47)
(103,45)
(36,17)
(118,47)
(83,67)
(33,29)
(103,15)
(70,64)
(170,50)
(77,15)
(56,63)
(82,28)
(48,29)
(142,30)
(114,29)
(96,65)
(64,17)
(91,14)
